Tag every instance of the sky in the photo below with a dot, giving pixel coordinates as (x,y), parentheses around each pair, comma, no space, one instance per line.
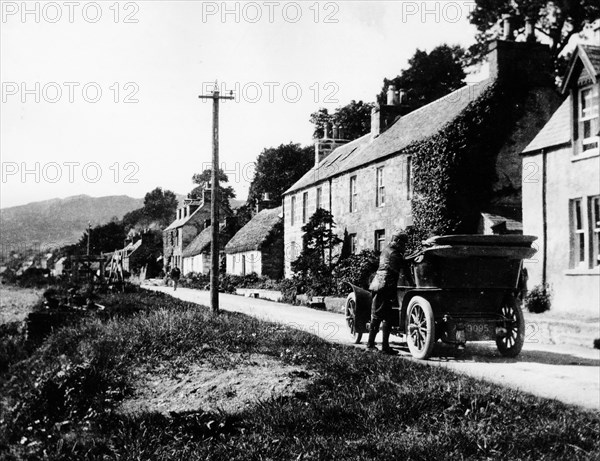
(101,98)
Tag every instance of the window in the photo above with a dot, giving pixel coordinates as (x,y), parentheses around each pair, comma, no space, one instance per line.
(578,233)
(409,178)
(352,238)
(293,210)
(319,197)
(304,207)
(588,118)
(379,240)
(380,191)
(595,221)
(353,194)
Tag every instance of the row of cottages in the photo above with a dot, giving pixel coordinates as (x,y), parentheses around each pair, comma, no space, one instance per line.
(197,256)
(367,183)
(561,192)
(191,219)
(258,246)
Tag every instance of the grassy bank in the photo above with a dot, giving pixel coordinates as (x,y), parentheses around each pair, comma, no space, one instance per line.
(60,401)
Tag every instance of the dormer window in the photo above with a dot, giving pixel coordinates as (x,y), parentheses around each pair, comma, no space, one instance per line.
(588,118)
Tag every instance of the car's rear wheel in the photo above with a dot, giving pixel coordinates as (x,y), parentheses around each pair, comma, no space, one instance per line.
(511,343)
(351,318)
(420,328)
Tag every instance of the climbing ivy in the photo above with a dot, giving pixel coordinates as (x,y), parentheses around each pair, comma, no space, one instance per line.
(454,170)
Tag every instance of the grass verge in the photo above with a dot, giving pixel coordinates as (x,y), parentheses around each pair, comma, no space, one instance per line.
(59,402)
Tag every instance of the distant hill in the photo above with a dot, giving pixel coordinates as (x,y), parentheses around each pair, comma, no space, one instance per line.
(57,222)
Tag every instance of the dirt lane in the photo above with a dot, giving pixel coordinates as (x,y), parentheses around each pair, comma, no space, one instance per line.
(568,374)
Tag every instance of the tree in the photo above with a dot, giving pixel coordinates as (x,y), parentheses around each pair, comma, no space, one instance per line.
(104,238)
(159,206)
(429,76)
(319,240)
(204,181)
(277,169)
(556,20)
(354,118)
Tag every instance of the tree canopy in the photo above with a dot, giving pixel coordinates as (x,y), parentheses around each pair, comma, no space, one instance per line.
(355,118)
(226,193)
(277,169)
(159,207)
(556,20)
(429,76)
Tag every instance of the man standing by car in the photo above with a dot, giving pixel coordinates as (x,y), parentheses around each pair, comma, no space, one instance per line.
(384,285)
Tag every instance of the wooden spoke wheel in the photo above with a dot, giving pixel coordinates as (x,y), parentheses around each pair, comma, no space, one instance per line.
(511,343)
(351,317)
(420,328)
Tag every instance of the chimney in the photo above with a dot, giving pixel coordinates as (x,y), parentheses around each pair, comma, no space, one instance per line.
(206,195)
(336,130)
(341,132)
(384,116)
(264,203)
(508,33)
(520,63)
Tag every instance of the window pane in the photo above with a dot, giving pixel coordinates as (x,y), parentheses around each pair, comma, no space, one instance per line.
(578,222)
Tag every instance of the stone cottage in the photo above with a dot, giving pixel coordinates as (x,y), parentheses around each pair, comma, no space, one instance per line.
(197,257)
(561,192)
(368,183)
(258,246)
(191,218)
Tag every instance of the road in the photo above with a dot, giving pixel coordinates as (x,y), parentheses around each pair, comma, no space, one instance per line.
(568,374)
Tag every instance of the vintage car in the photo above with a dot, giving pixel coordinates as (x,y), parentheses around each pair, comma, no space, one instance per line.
(461,288)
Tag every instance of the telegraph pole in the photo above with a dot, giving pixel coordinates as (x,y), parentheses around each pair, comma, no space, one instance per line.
(214,208)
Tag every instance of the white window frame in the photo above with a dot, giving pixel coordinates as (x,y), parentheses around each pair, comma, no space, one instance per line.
(292,210)
(594,212)
(353,195)
(319,198)
(352,243)
(379,239)
(587,114)
(578,237)
(380,187)
(304,207)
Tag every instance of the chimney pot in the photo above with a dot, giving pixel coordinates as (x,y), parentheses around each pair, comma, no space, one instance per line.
(508,32)
(326,130)
(341,132)
(392,96)
(529,30)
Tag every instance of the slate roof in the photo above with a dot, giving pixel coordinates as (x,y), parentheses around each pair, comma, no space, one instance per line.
(593,54)
(254,234)
(180,222)
(556,132)
(415,126)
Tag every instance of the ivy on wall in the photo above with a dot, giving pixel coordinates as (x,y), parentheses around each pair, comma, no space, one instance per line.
(454,170)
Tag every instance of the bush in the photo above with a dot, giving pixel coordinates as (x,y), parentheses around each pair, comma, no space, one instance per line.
(538,300)
(356,269)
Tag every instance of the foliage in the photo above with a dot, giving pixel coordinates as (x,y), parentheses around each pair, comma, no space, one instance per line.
(556,20)
(159,207)
(429,76)
(228,283)
(61,402)
(454,169)
(356,269)
(204,180)
(354,118)
(538,299)
(315,263)
(277,169)
(103,238)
